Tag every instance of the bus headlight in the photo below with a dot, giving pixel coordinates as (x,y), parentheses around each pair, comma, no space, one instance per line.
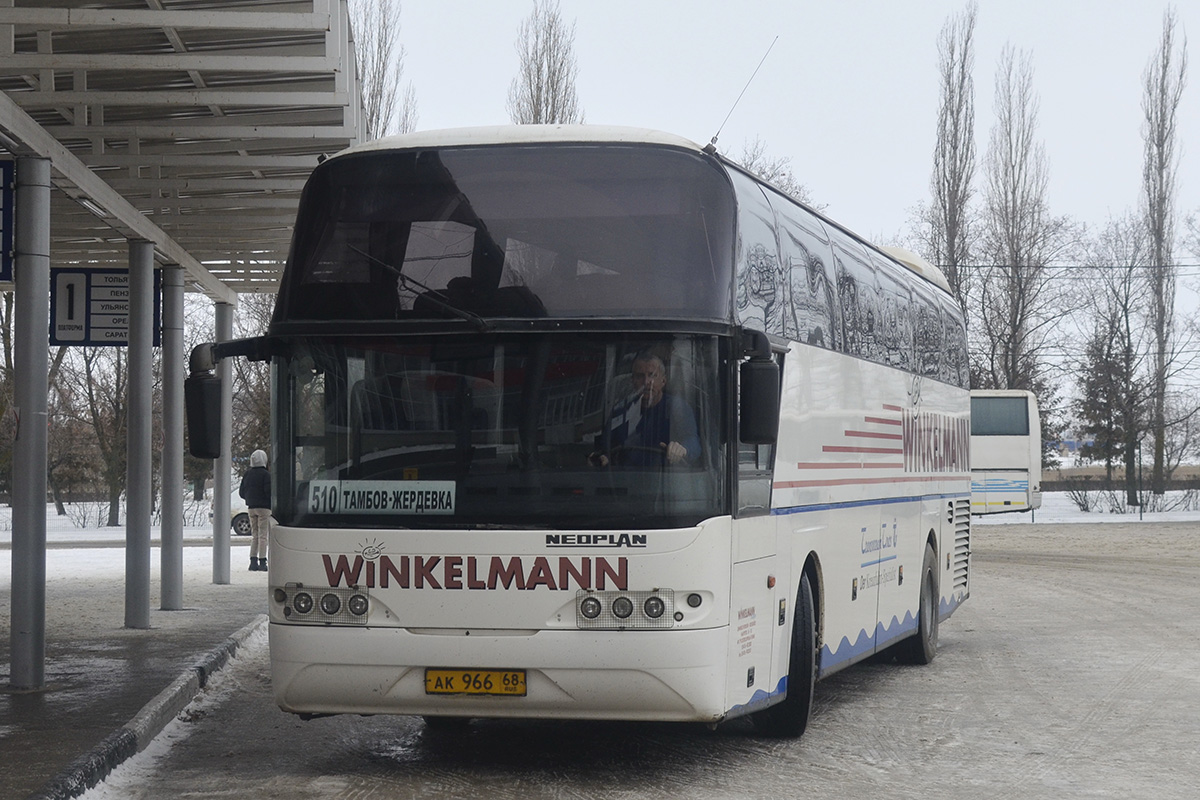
(599,610)
(316,605)
(302,602)
(330,604)
(590,607)
(357,604)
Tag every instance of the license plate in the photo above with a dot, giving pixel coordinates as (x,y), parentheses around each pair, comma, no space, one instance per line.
(504,682)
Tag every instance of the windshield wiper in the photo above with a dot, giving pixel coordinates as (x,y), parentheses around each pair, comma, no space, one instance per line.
(430,294)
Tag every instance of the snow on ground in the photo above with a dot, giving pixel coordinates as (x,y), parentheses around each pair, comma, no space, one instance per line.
(80,559)
(1057,507)
(65,528)
(221,687)
(95,557)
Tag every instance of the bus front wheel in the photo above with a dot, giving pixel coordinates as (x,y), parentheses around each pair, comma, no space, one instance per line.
(789,718)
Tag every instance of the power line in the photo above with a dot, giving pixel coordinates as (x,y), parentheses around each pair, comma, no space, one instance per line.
(1068,266)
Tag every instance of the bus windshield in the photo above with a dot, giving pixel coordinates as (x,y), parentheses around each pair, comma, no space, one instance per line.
(517,430)
(550,231)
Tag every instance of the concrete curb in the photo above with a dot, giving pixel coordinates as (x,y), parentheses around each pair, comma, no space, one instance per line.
(91,768)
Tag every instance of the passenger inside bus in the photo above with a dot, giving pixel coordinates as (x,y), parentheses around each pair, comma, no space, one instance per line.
(652,427)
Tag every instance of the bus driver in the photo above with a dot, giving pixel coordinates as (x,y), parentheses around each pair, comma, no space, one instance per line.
(653,427)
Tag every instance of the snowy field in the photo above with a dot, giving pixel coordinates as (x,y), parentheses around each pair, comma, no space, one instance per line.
(99,552)
(1057,507)
(81,524)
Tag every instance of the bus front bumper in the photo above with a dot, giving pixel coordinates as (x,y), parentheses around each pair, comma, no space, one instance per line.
(676,675)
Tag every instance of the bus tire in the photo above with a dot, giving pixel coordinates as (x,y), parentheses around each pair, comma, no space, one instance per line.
(921,647)
(789,718)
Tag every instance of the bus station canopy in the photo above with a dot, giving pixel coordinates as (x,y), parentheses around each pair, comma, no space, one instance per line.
(191,124)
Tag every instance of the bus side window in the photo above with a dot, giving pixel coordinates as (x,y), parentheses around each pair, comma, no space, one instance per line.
(755,472)
(754,479)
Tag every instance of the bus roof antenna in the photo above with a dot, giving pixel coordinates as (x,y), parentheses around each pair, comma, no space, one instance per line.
(711,147)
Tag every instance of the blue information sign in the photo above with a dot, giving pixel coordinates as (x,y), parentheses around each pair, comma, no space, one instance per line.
(7,194)
(90,306)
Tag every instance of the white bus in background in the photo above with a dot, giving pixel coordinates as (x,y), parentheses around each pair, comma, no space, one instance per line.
(471,329)
(1006,451)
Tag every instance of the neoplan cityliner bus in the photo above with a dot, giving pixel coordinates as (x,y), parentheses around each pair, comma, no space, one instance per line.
(589,422)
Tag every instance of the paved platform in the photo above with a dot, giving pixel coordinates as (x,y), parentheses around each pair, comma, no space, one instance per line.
(108,687)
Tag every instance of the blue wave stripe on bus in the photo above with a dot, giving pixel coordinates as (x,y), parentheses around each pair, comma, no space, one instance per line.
(759,698)
(884,637)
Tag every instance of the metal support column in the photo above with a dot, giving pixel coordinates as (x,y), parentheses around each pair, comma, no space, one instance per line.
(223,466)
(31,274)
(172,450)
(137,435)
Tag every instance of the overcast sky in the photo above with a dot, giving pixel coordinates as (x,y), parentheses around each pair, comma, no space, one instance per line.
(849,92)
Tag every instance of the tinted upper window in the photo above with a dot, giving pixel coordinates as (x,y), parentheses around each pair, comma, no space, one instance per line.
(513,231)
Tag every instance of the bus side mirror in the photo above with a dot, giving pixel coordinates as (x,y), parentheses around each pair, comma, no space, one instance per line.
(759,401)
(202,405)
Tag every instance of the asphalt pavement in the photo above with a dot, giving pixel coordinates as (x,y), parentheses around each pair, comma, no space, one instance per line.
(110,689)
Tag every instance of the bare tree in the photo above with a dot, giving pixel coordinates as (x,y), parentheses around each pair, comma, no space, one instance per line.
(251,379)
(946,230)
(91,391)
(776,171)
(1163,83)
(375,25)
(1018,297)
(544,90)
(1112,375)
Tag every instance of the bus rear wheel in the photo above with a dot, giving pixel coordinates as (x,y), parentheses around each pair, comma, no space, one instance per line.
(789,718)
(922,646)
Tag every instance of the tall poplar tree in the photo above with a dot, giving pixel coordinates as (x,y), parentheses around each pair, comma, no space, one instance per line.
(1163,83)
(543,92)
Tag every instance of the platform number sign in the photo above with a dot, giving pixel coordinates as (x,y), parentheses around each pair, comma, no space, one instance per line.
(91,307)
(7,195)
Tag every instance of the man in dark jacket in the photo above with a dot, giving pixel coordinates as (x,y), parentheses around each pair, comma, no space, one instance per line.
(256,491)
(652,427)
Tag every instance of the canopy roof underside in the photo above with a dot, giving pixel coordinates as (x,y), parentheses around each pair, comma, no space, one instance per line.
(189,123)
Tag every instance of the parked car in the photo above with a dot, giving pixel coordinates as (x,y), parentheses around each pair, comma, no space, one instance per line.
(239,518)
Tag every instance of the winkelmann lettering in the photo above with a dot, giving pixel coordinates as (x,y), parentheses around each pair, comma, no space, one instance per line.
(936,443)
(488,573)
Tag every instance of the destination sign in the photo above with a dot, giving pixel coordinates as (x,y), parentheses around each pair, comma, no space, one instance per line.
(90,306)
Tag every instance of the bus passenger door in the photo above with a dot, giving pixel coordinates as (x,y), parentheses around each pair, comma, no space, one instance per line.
(752,613)
(754,583)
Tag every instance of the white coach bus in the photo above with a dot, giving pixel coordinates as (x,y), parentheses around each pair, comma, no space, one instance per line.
(1006,451)
(588,422)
